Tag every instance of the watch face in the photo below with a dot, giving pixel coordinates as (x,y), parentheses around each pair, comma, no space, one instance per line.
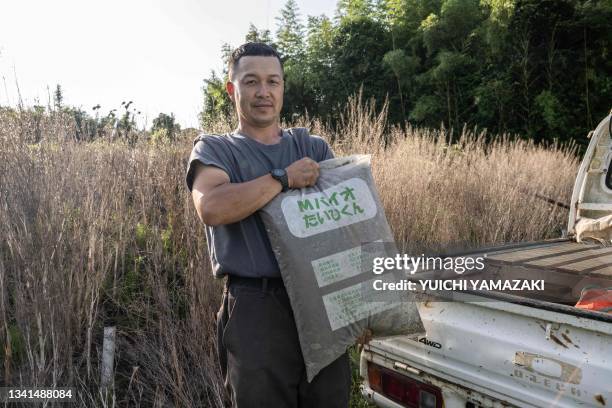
(278,172)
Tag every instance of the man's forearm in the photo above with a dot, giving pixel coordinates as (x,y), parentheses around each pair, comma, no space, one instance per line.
(233,202)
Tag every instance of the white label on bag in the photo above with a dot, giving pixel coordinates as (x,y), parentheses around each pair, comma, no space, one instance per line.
(352,304)
(344,204)
(345,264)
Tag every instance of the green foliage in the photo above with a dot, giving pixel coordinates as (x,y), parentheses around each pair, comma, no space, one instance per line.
(255,35)
(58,97)
(550,109)
(161,136)
(403,66)
(358,48)
(350,9)
(453,28)
(291,45)
(290,32)
(535,67)
(142,234)
(426,109)
(166,238)
(357,400)
(217,103)
(16,346)
(164,129)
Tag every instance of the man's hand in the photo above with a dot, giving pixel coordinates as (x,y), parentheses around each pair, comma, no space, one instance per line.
(303,173)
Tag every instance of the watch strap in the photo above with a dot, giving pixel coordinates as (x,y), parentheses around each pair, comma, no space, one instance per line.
(282,178)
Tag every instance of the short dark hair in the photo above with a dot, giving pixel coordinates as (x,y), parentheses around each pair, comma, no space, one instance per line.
(254,49)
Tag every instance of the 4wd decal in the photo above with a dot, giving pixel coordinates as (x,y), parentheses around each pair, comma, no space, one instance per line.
(430,343)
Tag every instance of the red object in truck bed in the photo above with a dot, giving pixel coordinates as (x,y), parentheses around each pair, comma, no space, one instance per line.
(597,299)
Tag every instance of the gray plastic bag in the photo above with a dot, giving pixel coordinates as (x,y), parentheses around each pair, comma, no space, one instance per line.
(324,239)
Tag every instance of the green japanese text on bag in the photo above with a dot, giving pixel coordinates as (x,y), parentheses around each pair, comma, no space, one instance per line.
(325,239)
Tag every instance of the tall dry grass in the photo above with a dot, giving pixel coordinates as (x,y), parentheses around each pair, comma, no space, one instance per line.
(105,233)
(442,198)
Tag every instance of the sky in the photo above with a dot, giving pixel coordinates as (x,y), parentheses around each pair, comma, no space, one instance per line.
(155,53)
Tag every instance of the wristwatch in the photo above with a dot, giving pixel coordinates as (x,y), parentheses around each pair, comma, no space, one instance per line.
(281,176)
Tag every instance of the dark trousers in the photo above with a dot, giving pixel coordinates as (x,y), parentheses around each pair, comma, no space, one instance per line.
(260,356)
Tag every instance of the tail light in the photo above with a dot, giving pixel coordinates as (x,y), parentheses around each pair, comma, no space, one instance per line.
(402,389)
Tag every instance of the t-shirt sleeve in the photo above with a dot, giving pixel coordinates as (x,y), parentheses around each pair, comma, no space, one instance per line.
(210,152)
(321,149)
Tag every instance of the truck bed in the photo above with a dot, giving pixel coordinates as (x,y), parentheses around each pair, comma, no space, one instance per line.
(566,267)
(564,256)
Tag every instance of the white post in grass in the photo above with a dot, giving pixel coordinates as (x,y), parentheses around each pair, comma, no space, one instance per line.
(108,357)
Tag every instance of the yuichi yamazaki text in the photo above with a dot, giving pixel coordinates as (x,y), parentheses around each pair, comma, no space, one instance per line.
(449,284)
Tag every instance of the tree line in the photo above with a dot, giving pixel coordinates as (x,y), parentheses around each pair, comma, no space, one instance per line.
(116,124)
(537,68)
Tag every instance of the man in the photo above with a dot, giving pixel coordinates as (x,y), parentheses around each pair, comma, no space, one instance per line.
(231,177)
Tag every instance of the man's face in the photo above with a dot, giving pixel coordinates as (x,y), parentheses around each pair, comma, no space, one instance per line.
(257,90)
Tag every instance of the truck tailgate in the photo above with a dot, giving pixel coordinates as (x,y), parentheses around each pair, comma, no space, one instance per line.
(518,354)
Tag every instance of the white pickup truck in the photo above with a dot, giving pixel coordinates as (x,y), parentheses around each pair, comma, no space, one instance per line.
(496,349)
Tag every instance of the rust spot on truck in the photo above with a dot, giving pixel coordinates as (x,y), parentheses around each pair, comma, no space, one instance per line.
(556,340)
(568,339)
(599,398)
(547,367)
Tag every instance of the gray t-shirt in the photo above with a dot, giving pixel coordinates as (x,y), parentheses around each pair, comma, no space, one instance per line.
(243,248)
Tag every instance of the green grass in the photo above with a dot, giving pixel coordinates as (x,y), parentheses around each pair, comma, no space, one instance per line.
(357,400)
